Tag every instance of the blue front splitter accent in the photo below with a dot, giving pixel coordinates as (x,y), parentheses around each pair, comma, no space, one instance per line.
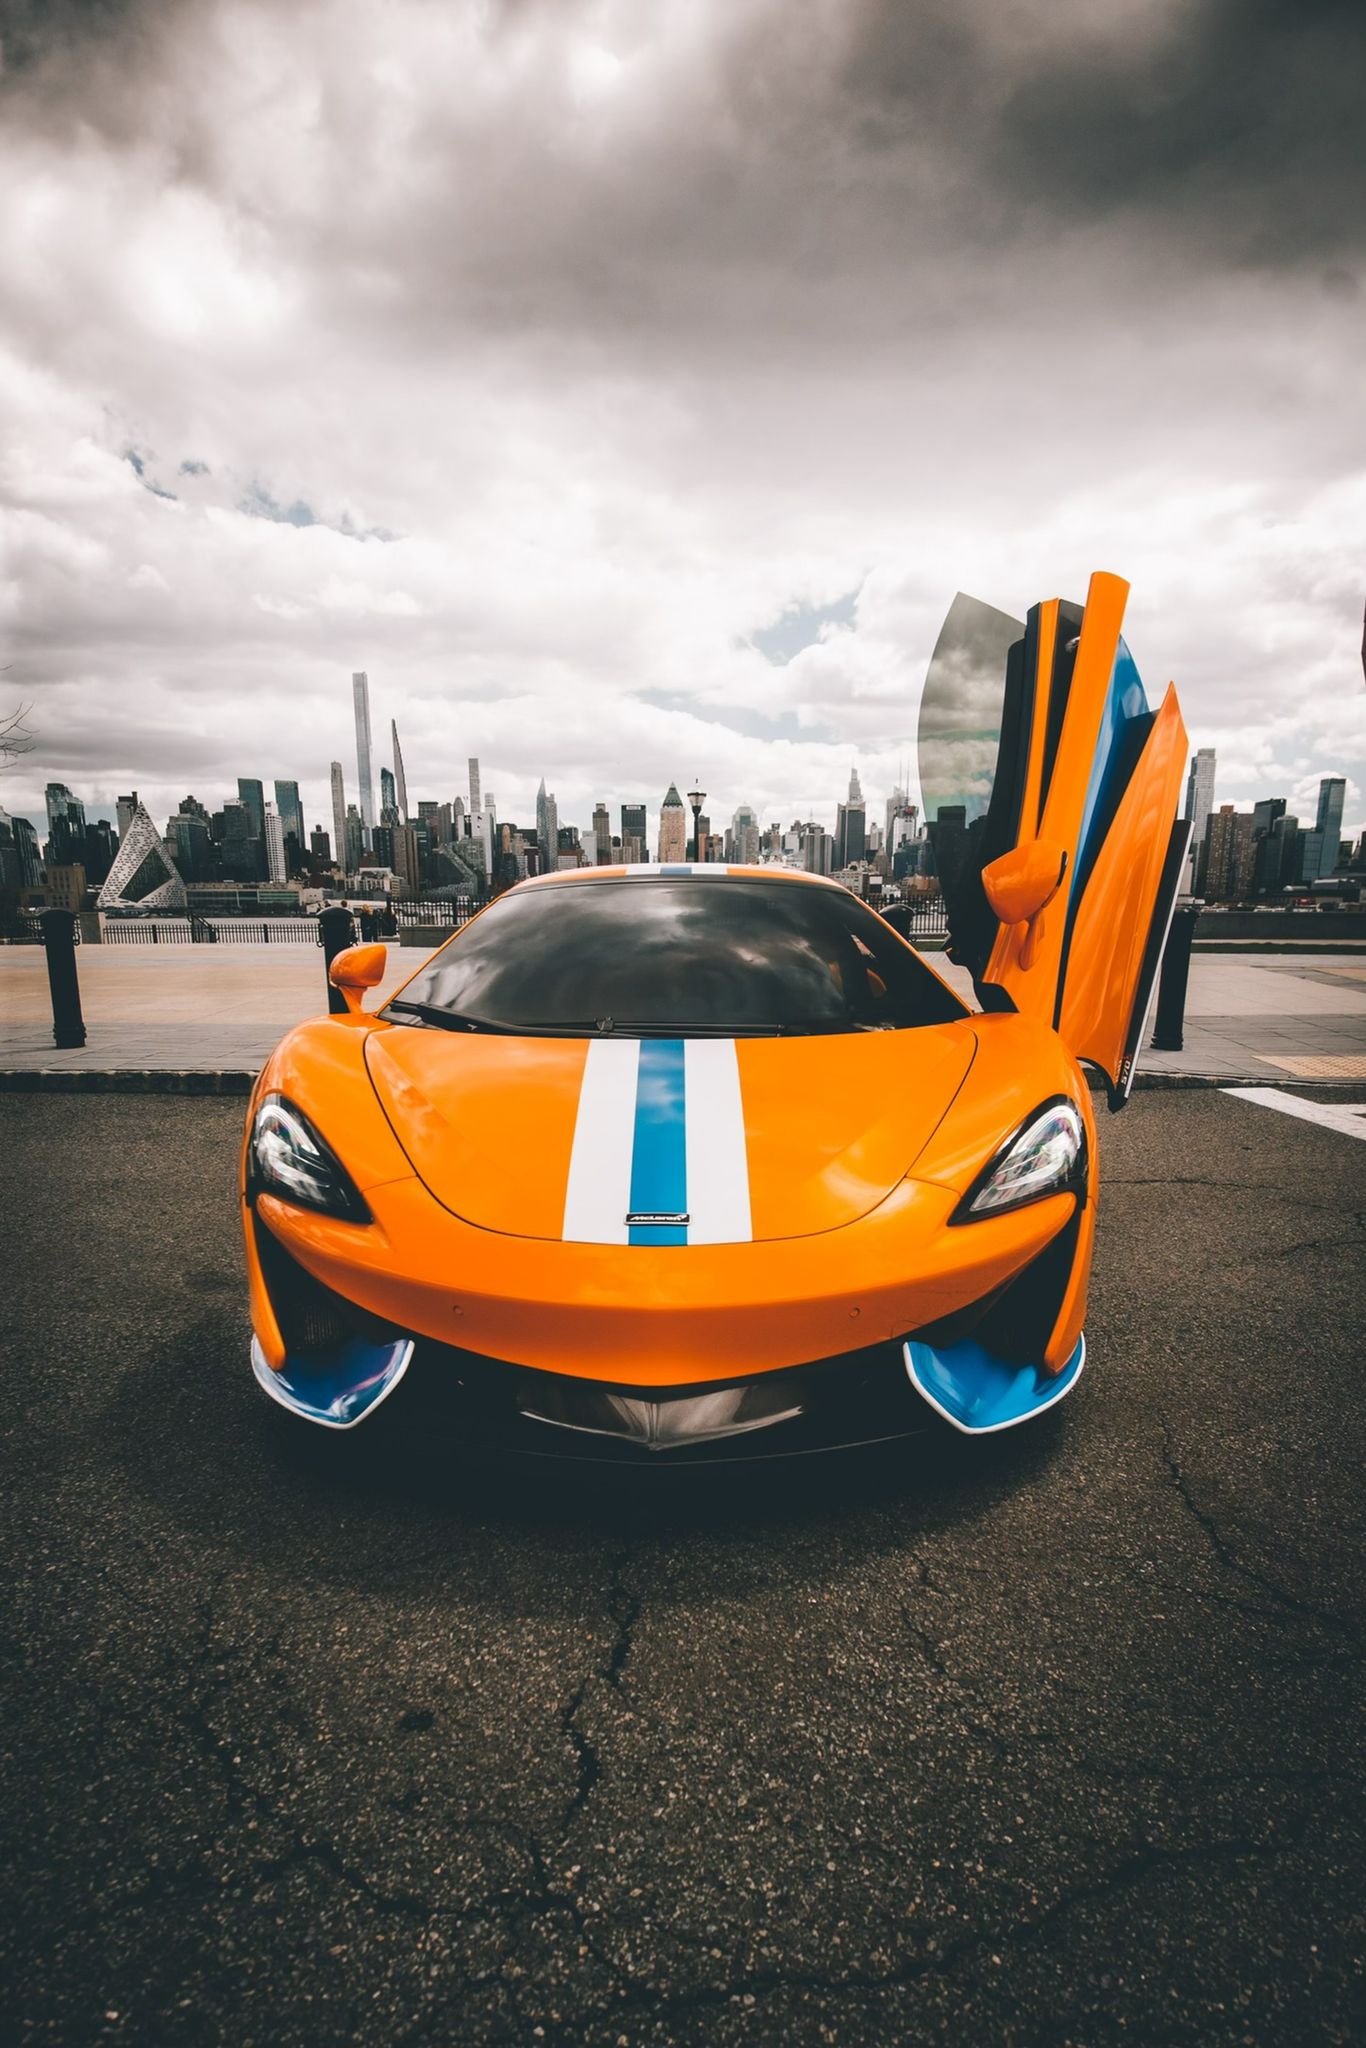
(337,1390)
(978,1393)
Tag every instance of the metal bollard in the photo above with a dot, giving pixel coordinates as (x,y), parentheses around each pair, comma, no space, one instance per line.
(338,932)
(1171,989)
(59,943)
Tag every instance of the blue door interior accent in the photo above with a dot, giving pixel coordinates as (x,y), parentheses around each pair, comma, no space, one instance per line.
(1123,728)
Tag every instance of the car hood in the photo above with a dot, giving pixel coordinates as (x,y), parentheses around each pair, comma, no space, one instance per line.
(657,1141)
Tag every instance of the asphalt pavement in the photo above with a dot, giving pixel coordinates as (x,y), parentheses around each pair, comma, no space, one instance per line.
(1049,1739)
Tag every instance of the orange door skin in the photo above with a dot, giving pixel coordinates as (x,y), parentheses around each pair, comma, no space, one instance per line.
(1110,935)
(1034,989)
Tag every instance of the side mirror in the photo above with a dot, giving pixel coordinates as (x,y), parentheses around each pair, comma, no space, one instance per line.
(1021,884)
(355,970)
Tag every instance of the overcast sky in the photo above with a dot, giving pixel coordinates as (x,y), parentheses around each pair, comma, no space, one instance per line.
(629,388)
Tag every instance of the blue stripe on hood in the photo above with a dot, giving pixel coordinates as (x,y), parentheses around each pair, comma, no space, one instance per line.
(659,1160)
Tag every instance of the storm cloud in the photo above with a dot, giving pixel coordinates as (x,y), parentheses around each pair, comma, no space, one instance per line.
(551,361)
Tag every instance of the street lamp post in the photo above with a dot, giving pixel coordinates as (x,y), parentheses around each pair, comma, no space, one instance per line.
(696,797)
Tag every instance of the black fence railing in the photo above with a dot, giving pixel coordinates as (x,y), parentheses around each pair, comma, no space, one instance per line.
(372,921)
(921,917)
(443,910)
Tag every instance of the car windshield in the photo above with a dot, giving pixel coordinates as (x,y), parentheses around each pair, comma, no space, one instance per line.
(696,955)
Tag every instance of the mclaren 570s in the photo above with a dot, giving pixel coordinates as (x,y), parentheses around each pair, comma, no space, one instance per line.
(695,1162)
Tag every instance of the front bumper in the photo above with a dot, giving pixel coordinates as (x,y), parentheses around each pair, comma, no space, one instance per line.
(341,1362)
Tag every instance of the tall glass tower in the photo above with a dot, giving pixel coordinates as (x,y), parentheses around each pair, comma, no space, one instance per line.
(1199,804)
(1329,821)
(360,693)
(288,804)
(338,817)
(400,779)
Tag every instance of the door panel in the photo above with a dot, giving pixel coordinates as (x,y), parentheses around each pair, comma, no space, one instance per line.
(1035,990)
(1123,895)
(1086,769)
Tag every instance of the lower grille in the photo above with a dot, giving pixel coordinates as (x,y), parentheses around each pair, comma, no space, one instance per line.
(860,1397)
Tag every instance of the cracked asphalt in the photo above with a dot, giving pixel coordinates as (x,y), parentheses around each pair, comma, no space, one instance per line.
(1050,1739)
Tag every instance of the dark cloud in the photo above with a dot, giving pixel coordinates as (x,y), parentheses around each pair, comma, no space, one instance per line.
(33,29)
(621,326)
(1242,123)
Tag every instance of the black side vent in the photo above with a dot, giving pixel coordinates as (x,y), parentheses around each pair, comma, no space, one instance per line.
(311,1317)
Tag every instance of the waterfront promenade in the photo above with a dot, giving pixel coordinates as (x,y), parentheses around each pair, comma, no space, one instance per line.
(219,1010)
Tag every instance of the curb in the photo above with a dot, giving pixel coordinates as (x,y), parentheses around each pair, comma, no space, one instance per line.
(126,1081)
(236,1081)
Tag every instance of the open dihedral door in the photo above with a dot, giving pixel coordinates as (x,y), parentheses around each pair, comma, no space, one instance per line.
(1050,792)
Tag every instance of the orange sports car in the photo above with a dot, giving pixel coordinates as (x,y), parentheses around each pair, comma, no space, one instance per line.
(708,1161)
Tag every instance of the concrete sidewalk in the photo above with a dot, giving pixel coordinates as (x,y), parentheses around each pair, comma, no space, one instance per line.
(204,1011)
(196,1009)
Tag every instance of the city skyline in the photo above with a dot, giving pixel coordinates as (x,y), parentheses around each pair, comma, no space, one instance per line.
(1235,855)
(707,512)
(316,794)
(849,833)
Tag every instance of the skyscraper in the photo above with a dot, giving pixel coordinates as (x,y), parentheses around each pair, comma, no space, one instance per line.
(290,807)
(407,862)
(338,816)
(400,779)
(252,793)
(1285,853)
(547,829)
(1332,789)
(673,827)
(388,798)
(745,836)
(1226,865)
(602,835)
(1199,803)
(65,825)
(633,828)
(124,808)
(191,850)
(850,825)
(26,852)
(354,841)
(276,867)
(476,801)
(360,695)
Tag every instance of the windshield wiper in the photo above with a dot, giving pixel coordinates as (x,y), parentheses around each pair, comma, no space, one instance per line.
(647,1027)
(575,1027)
(444,1020)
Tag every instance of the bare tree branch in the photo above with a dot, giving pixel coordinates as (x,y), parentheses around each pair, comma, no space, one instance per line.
(15,737)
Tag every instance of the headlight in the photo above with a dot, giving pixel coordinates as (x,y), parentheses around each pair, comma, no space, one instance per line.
(1047,1156)
(287,1158)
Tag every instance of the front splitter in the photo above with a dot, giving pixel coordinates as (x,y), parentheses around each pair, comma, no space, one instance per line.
(341,1390)
(978,1392)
